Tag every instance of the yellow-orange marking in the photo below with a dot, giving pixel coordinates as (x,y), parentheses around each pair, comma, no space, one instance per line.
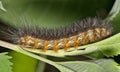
(55,45)
(45,46)
(66,44)
(76,41)
(85,38)
(27,40)
(36,43)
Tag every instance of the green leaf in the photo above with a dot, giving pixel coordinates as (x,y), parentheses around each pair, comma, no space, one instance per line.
(110,47)
(110,50)
(5,64)
(102,65)
(109,65)
(81,66)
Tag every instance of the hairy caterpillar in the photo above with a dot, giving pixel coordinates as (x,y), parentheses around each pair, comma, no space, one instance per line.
(82,32)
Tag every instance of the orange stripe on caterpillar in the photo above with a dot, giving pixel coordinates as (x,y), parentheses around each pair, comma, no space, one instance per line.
(55,46)
(66,44)
(76,41)
(85,39)
(36,43)
(45,46)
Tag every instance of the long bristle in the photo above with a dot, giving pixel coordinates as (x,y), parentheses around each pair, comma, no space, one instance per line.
(8,32)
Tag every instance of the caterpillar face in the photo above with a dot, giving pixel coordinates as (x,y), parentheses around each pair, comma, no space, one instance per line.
(86,31)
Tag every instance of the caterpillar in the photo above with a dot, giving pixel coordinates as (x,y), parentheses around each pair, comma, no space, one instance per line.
(88,30)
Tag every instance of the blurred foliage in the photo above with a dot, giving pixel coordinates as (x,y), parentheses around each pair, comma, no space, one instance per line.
(51,13)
